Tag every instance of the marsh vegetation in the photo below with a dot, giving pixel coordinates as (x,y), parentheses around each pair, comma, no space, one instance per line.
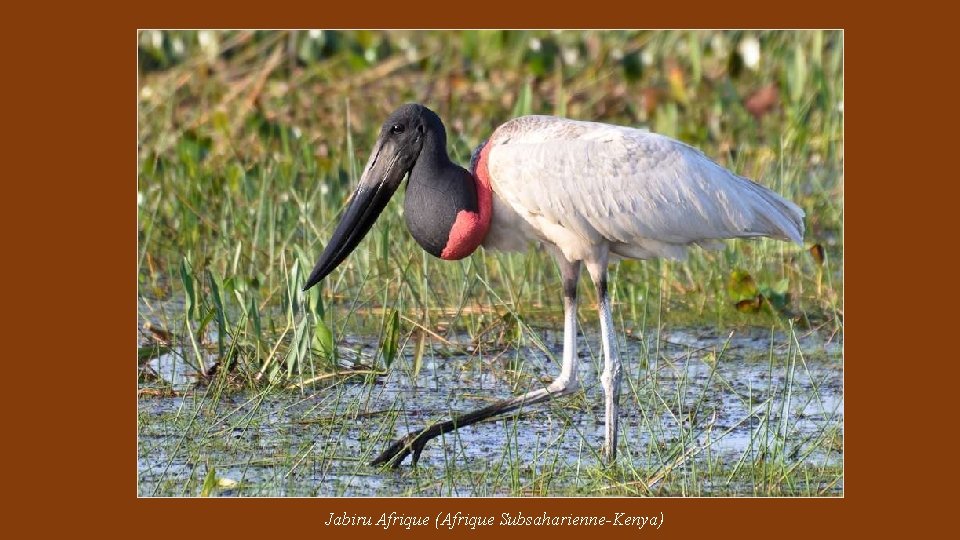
(249,145)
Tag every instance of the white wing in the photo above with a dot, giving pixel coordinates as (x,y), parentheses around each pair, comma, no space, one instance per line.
(644,194)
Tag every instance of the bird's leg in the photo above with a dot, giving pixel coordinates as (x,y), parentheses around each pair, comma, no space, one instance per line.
(611,374)
(570,272)
(610,379)
(565,384)
(415,441)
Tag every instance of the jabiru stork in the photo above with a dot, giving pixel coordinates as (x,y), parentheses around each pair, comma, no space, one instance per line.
(588,192)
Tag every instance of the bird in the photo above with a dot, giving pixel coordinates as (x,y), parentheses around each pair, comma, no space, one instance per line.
(589,193)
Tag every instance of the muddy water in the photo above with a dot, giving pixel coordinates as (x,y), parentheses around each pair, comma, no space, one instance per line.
(731,403)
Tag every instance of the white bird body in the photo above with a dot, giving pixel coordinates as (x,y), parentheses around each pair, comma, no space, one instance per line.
(588,192)
(588,186)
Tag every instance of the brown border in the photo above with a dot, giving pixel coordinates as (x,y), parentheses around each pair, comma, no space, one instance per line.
(73,111)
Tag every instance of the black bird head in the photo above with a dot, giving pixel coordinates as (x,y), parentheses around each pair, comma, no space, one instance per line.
(394,155)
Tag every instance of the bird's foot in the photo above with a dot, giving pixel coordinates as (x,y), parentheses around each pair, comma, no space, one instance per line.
(413,443)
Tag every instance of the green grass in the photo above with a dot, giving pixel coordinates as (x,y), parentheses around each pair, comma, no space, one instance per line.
(250,143)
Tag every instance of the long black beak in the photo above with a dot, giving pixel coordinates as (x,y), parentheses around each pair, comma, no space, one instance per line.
(380,180)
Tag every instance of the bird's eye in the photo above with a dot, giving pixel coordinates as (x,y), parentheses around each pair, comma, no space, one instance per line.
(397,128)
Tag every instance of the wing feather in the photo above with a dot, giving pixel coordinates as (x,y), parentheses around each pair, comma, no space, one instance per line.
(645,194)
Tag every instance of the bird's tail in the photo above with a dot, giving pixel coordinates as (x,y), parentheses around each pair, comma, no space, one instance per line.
(775,216)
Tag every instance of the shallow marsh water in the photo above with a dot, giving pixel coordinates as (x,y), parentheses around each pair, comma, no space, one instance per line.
(753,413)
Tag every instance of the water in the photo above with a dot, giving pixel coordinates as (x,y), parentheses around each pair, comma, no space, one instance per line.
(708,408)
